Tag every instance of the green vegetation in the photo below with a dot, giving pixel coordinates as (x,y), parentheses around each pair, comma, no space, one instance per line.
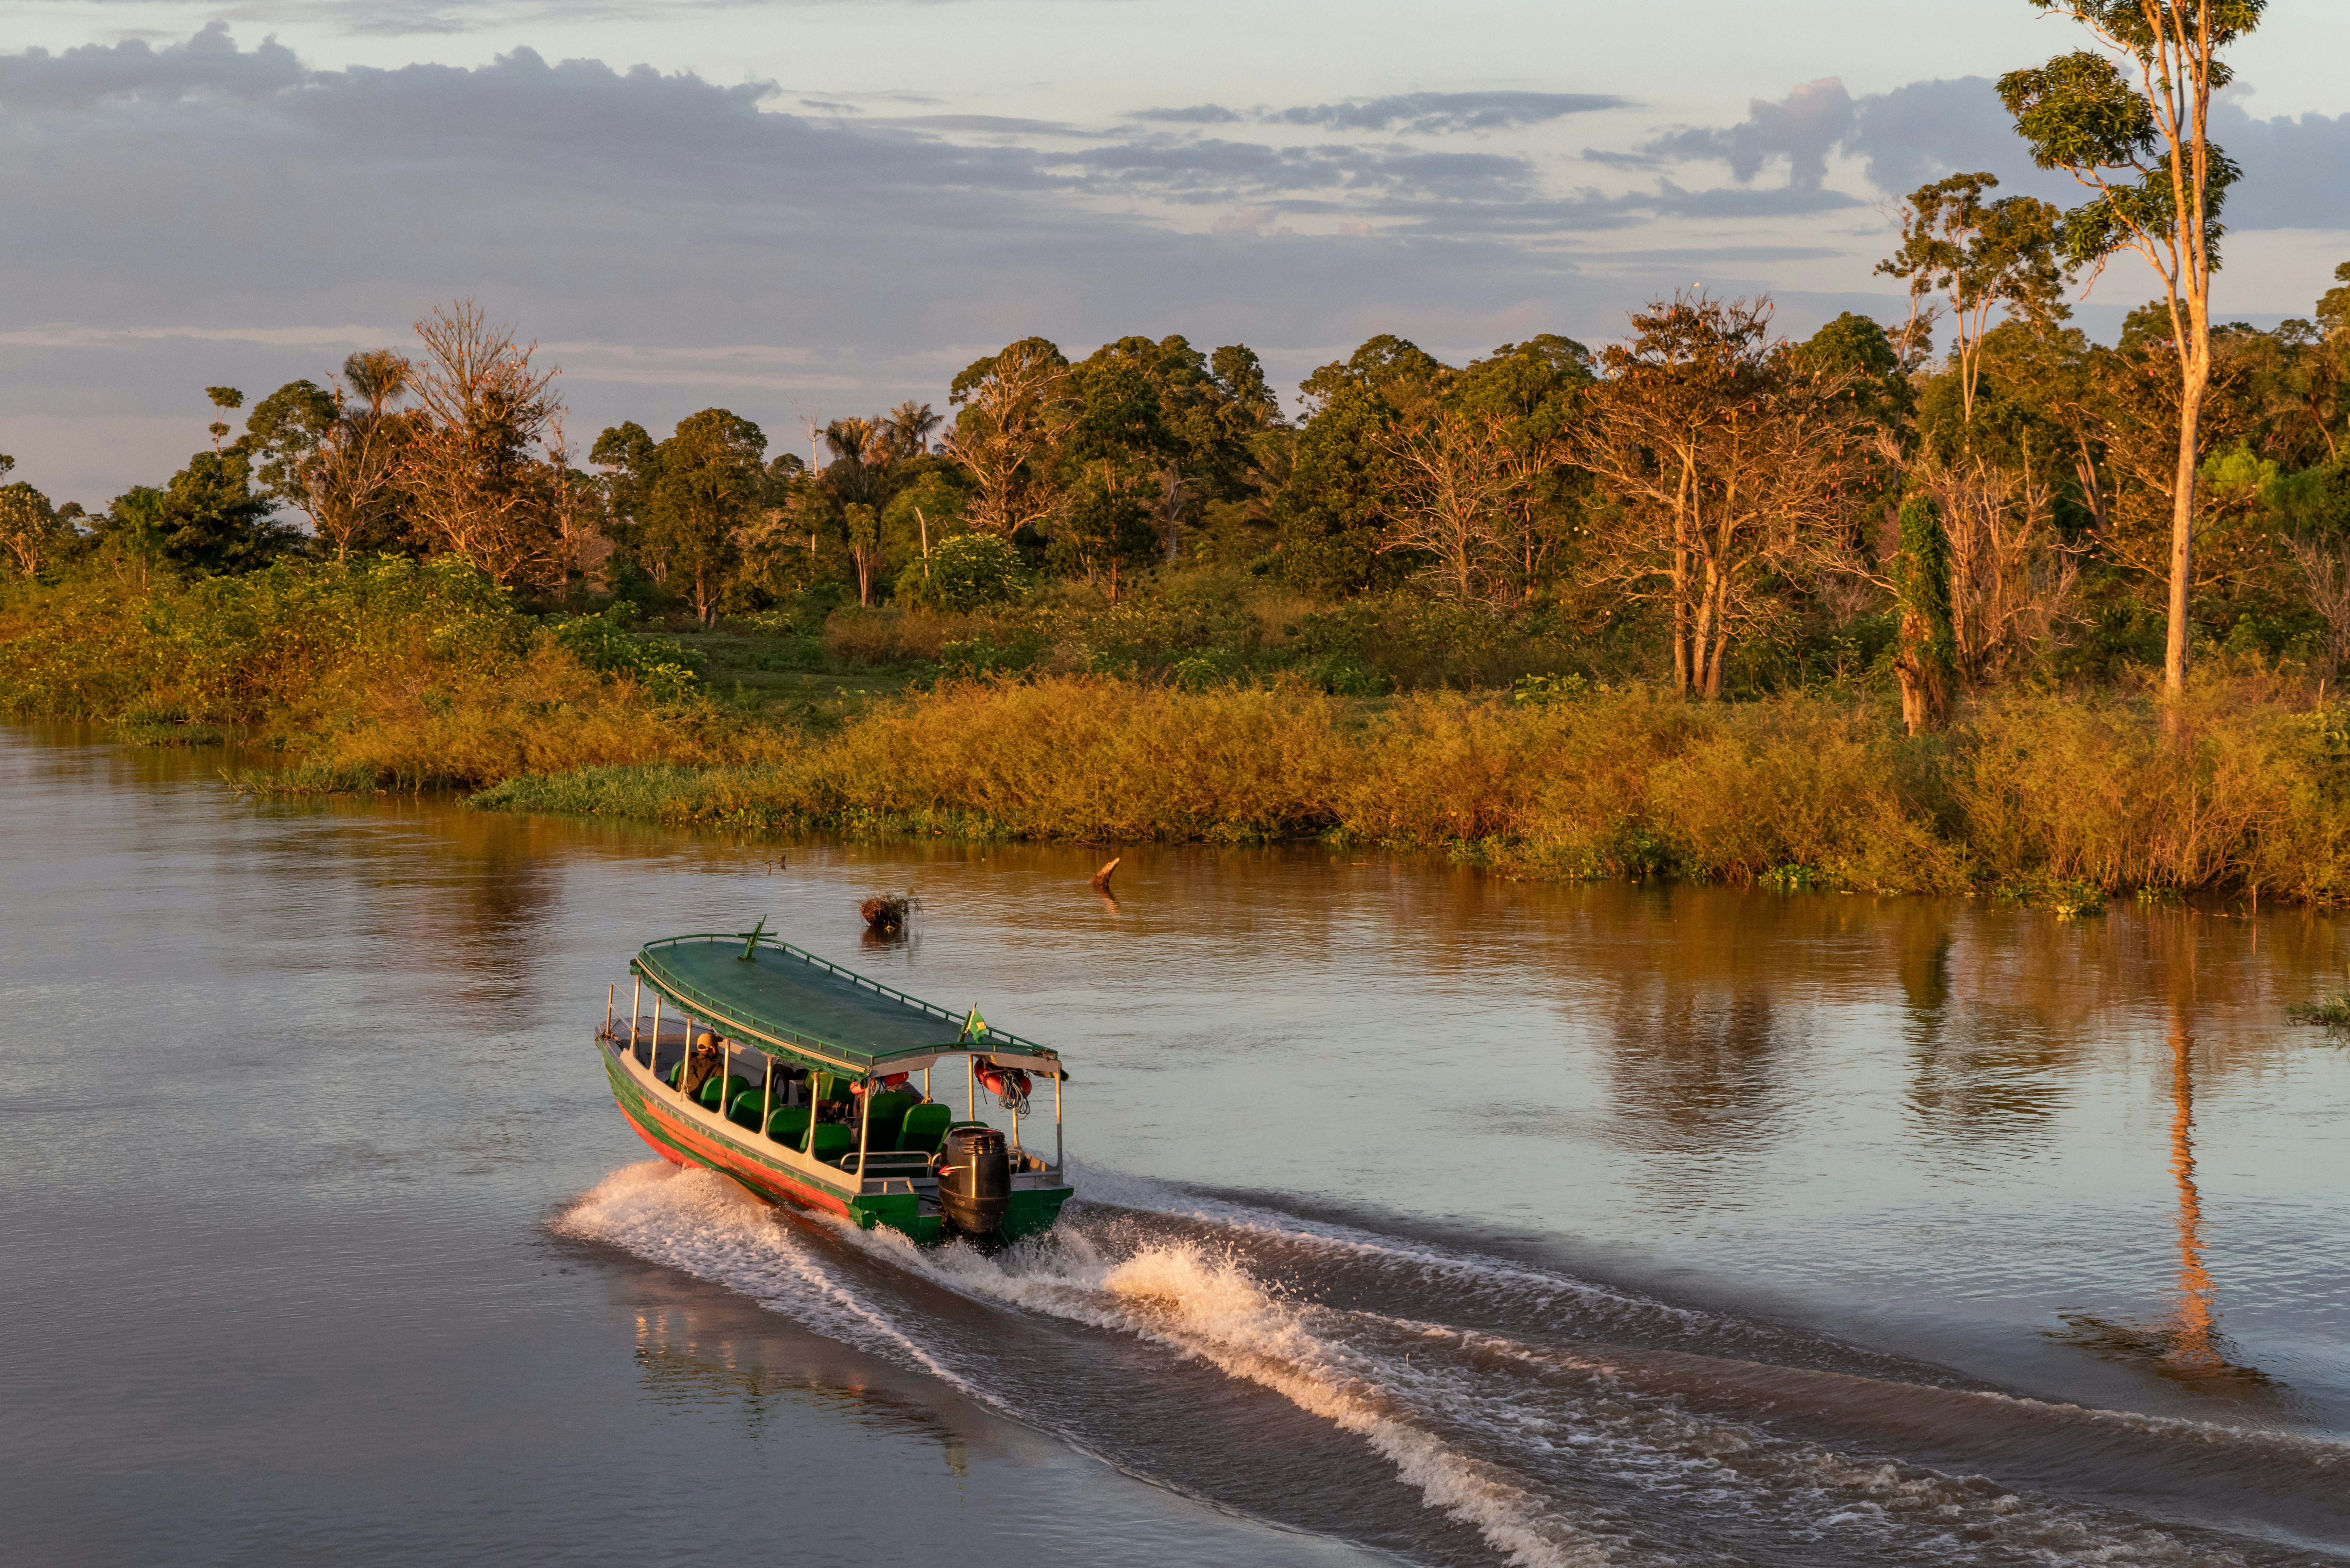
(2059,801)
(2333,1014)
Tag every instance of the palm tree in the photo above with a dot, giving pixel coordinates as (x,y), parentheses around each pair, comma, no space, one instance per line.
(907,429)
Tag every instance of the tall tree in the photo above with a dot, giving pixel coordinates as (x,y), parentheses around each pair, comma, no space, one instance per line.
(208,518)
(683,508)
(333,452)
(1333,512)
(476,469)
(711,484)
(1115,451)
(1982,256)
(2132,123)
(906,429)
(1013,417)
(1530,392)
(30,531)
(1719,448)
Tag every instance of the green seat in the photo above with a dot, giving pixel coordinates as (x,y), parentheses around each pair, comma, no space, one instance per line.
(925,1128)
(750,1107)
(717,1092)
(889,1162)
(789,1124)
(885,1116)
(832,1141)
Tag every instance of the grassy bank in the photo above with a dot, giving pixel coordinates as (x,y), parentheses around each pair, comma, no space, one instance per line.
(2029,794)
(388,674)
(395,674)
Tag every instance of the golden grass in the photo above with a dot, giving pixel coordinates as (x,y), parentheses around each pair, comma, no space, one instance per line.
(2029,790)
(420,676)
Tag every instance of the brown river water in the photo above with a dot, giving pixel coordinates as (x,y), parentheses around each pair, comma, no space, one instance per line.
(1424,1217)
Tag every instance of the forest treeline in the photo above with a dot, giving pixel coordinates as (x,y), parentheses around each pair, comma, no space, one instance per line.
(1705,503)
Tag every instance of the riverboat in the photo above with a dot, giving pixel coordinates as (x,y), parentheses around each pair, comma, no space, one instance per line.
(821,1092)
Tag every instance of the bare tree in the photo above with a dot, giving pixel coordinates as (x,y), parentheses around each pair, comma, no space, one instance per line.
(473,469)
(348,484)
(1455,478)
(2012,577)
(2326,570)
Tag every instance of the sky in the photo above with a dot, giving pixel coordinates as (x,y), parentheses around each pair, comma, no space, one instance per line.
(805,210)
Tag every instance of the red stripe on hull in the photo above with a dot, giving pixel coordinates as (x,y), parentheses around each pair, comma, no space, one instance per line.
(764,1181)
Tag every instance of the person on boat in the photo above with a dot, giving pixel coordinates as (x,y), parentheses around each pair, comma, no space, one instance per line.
(703,1064)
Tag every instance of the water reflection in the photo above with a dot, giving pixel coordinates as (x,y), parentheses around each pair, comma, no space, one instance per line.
(686,1362)
(1955,1114)
(2188,1348)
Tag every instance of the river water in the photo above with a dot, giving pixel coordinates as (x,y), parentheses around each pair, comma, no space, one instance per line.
(1425,1217)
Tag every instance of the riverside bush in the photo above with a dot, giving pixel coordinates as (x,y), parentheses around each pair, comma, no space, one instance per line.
(387,672)
(2028,792)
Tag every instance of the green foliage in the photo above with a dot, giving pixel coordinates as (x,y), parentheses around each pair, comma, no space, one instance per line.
(2331,1014)
(680,506)
(235,649)
(1922,584)
(963,572)
(668,671)
(1544,690)
(208,519)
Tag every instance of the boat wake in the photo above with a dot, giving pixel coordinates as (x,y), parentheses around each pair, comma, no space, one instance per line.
(1456,1408)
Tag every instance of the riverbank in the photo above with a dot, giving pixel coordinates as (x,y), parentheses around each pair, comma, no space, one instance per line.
(407,676)
(2043,797)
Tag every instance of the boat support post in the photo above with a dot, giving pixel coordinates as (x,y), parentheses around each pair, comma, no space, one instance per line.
(864,1129)
(653,1062)
(1058,1159)
(609,993)
(636,1011)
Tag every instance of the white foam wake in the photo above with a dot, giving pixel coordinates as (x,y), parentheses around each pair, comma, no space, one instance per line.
(1499,1433)
(1212,1310)
(701,1224)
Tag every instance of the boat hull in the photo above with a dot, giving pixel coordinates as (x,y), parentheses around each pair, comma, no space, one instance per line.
(688,1135)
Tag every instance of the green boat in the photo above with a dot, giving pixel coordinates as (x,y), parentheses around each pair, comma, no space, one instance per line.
(808,1084)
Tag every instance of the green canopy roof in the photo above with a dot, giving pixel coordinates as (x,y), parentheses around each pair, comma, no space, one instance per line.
(790,1004)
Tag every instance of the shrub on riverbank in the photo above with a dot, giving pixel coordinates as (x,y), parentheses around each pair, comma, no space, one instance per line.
(2028,792)
(384,672)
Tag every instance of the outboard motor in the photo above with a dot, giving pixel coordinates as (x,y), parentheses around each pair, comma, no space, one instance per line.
(975,1180)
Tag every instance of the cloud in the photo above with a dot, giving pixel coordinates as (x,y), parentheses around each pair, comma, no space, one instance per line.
(178,216)
(1198,114)
(1253,219)
(1440,113)
(1809,124)
(208,64)
(983,124)
(2296,170)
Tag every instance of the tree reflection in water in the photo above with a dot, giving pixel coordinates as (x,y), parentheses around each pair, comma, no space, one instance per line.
(2189,1348)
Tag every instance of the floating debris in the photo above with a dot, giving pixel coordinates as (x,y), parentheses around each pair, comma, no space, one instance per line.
(886,913)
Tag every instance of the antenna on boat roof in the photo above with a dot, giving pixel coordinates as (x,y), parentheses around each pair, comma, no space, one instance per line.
(751,939)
